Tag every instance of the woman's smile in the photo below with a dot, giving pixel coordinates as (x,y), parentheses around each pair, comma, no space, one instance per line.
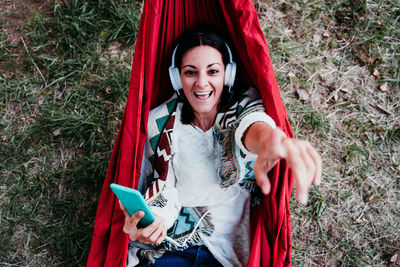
(203,95)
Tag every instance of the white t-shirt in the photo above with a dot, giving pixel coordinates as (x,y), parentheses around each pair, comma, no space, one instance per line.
(196,162)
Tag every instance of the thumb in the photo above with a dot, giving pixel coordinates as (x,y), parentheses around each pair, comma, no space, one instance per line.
(261,177)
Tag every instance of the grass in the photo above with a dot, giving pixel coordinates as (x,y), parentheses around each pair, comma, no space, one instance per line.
(331,60)
(60,113)
(63,93)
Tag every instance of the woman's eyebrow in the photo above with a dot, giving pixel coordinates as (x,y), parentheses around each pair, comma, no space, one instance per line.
(213,64)
(194,67)
(189,66)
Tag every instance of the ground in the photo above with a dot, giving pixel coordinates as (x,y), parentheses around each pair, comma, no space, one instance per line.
(64,74)
(16,14)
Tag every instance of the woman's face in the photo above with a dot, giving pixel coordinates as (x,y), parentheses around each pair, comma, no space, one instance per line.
(202,74)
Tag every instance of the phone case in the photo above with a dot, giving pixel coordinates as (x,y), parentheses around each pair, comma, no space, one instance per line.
(133,201)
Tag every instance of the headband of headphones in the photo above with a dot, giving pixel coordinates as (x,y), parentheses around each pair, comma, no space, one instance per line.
(175,76)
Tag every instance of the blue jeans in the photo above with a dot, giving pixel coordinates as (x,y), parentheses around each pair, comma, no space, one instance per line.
(194,256)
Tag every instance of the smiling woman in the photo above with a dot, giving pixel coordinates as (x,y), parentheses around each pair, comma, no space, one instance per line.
(202,57)
(200,187)
(202,75)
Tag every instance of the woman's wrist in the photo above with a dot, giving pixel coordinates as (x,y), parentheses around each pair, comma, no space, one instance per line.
(256,138)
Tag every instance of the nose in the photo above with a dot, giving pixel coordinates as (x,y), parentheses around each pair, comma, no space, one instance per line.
(202,80)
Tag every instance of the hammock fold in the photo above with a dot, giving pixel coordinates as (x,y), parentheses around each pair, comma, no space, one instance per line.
(161,23)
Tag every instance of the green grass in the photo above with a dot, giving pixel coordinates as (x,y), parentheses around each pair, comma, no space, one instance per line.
(58,127)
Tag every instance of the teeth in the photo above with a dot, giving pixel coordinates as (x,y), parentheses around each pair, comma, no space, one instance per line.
(205,93)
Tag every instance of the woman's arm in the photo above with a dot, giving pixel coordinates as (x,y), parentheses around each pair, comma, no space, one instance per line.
(271,145)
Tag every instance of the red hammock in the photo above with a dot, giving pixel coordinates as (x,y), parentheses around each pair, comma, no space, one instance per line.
(161,22)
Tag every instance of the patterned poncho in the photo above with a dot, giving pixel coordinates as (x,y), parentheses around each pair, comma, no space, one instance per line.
(235,166)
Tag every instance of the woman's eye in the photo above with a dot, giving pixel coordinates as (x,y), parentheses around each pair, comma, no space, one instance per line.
(190,72)
(213,71)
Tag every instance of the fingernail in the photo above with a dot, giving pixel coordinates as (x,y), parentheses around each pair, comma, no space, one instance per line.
(266,189)
(303,198)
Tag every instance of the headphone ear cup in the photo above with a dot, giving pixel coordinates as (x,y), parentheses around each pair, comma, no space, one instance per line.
(230,73)
(175,78)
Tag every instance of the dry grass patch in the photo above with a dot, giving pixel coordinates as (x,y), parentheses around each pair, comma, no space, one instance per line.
(340,82)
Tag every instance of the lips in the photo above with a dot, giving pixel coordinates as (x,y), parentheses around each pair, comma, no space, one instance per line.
(203,95)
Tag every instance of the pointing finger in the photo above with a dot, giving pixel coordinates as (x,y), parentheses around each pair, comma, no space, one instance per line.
(318,163)
(297,163)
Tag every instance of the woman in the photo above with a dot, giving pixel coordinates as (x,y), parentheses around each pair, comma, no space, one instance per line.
(200,187)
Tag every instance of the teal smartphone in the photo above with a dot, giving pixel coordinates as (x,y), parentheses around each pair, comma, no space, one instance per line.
(133,201)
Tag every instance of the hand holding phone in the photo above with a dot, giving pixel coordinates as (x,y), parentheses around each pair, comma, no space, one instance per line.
(133,202)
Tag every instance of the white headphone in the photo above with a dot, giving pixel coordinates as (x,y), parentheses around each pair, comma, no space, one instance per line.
(175,76)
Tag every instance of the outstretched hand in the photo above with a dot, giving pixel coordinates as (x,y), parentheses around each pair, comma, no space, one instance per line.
(302,158)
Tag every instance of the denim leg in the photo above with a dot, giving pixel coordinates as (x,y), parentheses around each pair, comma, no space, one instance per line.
(176,258)
(191,257)
(205,258)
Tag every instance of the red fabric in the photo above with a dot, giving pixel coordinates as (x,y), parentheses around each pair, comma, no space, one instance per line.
(162,21)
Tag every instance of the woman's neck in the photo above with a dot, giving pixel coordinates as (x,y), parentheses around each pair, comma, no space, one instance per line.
(204,121)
